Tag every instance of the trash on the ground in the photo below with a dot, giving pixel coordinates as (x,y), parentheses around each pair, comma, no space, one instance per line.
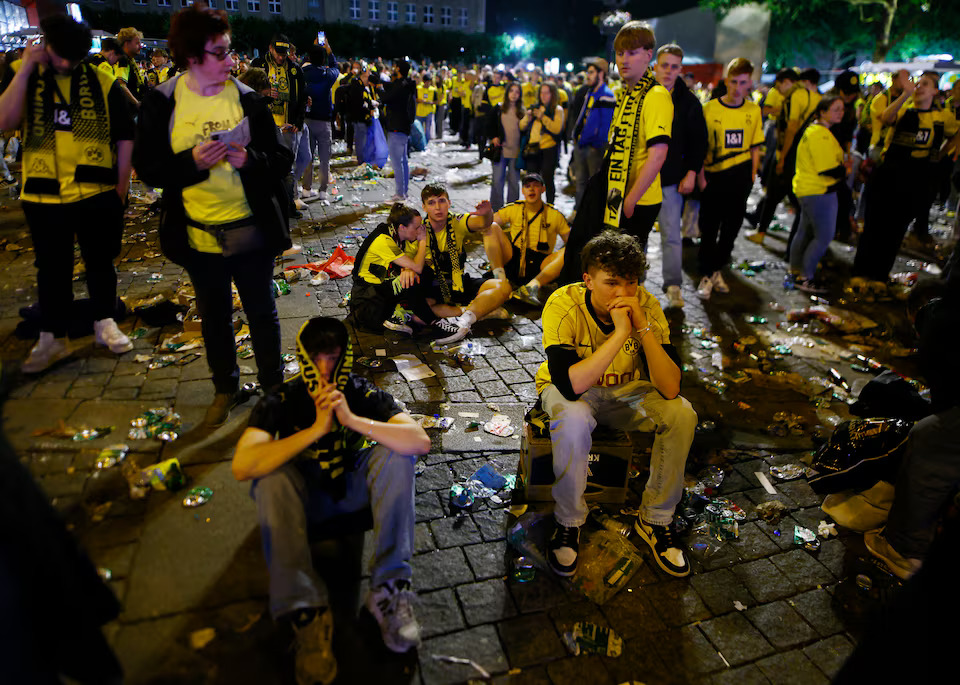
(435,421)
(104,573)
(765,482)
(730,508)
(706,427)
(132,474)
(161,423)
(460,497)
(369,362)
(499,425)
(197,496)
(85,434)
(589,638)
(805,537)
(720,522)
(280,288)
(827,530)
(843,320)
(489,477)
(137,333)
(787,471)
(161,361)
(111,456)
(201,638)
(708,481)
(604,520)
(523,570)
(164,475)
(771,511)
(412,368)
(739,606)
(420,467)
(466,662)
(605,565)
(785,423)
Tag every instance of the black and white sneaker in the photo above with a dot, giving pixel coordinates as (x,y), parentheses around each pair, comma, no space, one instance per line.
(563,549)
(665,547)
(398,323)
(450,329)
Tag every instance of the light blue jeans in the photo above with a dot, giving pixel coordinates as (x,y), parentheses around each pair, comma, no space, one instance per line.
(397,148)
(304,157)
(292,141)
(671,238)
(359,139)
(631,406)
(320,141)
(818,224)
(504,170)
(427,123)
(287,501)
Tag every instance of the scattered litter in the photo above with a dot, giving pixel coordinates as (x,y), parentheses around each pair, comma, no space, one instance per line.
(197,496)
(827,530)
(604,520)
(589,638)
(605,565)
(161,423)
(523,570)
(164,475)
(771,511)
(843,320)
(435,421)
(201,638)
(788,471)
(85,434)
(499,425)
(460,497)
(739,606)
(111,456)
(420,467)
(805,537)
(765,482)
(412,368)
(466,662)
(708,481)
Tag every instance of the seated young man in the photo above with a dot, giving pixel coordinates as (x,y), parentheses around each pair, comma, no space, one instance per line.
(450,291)
(522,240)
(386,280)
(609,360)
(324,443)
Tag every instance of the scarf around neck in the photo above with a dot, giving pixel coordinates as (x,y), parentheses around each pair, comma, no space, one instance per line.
(624,134)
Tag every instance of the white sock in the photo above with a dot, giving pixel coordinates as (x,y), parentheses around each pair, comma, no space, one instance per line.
(533,284)
(468,318)
(500,273)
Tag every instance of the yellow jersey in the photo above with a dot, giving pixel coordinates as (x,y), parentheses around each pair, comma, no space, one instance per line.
(543,226)
(774,101)
(656,127)
(428,93)
(530,92)
(817,153)
(458,227)
(381,255)
(732,132)
(569,321)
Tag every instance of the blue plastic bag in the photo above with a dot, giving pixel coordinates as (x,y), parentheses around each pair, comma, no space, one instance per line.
(375,150)
(418,141)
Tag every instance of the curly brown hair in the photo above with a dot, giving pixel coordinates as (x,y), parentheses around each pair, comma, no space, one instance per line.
(619,254)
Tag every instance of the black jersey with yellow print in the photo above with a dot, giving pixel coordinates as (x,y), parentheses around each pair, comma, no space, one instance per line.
(572,332)
(532,230)
(917,134)
(732,132)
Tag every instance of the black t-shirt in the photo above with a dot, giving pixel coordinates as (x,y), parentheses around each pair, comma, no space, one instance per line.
(290,409)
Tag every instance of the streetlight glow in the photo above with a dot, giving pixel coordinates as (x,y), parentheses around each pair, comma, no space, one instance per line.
(518,42)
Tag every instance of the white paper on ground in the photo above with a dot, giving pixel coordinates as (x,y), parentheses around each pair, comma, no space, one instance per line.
(412,368)
(765,482)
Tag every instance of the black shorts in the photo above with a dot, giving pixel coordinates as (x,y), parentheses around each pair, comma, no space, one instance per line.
(512,268)
(432,289)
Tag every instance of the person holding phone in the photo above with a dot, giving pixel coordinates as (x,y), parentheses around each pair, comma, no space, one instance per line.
(320,74)
(223,212)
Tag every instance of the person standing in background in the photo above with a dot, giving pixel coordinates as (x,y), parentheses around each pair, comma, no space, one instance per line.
(320,74)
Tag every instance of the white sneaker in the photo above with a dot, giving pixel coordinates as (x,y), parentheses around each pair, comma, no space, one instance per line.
(321,195)
(462,331)
(46,353)
(308,193)
(392,605)
(719,284)
(674,297)
(705,288)
(300,204)
(107,334)
(398,198)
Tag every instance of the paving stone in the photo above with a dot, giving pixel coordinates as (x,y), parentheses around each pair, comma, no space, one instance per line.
(487,560)
(631,615)
(63,484)
(801,493)
(160,390)
(442,568)
(745,675)
(832,554)
(753,543)
(764,580)
(119,559)
(434,394)
(84,392)
(492,523)
(676,602)
(126,382)
(427,506)
(687,650)
(780,624)
(92,380)
(801,568)
(530,640)
(514,376)
(121,394)
(50,463)
(482,375)
(830,654)
(455,531)
(541,594)
(589,668)
(486,601)
(791,668)
(735,638)
(436,477)
(481,643)
(470,396)
(438,612)
(99,365)
(817,608)
(125,368)
(51,390)
(422,539)
(720,589)
(165,373)
(457,383)
(640,662)
(491,389)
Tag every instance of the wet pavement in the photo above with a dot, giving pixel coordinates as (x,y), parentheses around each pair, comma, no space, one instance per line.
(759,608)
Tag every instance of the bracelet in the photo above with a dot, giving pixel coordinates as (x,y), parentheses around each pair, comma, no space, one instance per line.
(643,332)
(370,427)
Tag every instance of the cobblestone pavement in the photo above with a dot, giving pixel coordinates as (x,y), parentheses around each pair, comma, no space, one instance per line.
(177,570)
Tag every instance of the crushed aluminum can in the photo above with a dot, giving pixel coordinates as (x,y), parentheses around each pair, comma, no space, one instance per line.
(460,497)
(197,496)
(85,434)
(111,456)
(787,471)
(524,570)
(806,537)
(369,362)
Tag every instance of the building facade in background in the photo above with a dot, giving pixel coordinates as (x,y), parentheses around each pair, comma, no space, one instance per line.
(468,16)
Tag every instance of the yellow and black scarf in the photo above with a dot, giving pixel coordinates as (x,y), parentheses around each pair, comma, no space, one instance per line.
(336,451)
(447,264)
(625,132)
(525,233)
(86,117)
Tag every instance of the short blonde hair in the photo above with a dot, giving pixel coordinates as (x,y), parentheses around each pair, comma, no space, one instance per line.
(128,34)
(633,35)
(670,49)
(738,66)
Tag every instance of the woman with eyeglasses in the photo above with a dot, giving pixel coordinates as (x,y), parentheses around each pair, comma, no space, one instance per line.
(211,143)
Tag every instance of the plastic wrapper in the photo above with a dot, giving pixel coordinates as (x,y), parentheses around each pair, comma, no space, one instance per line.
(805,538)
(606,563)
(708,481)
(197,496)
(84,434)
(161,423)
(523,570)
(460,497)
(589,638)
(164,475)
(111,456)
(499,425)
(787,471)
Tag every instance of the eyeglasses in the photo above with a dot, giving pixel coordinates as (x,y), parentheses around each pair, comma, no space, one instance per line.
(220,53)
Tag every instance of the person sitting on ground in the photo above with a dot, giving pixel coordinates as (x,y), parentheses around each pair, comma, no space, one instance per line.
(330,441)
(386,281)
(462,299)
(610,328)
(523,240)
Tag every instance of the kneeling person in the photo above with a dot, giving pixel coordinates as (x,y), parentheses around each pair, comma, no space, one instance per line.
(386,280)
(610,328)
(523,239)
(330,441)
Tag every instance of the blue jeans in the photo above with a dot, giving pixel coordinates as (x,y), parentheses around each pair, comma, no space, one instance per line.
(320,143)
(504,168)
(671,239)
(288,499)
(292,140)
(252,272)
(303,157)
(359,139)
(397,147)
(427,123)
(586,162)
(818,223)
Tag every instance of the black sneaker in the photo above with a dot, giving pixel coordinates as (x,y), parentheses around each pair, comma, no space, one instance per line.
(445,327)
(398,323)
(665,547)
(563,549)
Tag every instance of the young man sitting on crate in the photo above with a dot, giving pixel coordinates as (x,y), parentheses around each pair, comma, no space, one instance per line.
(609,359)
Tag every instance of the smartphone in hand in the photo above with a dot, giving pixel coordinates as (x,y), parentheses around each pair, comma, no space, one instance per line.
(321,38)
